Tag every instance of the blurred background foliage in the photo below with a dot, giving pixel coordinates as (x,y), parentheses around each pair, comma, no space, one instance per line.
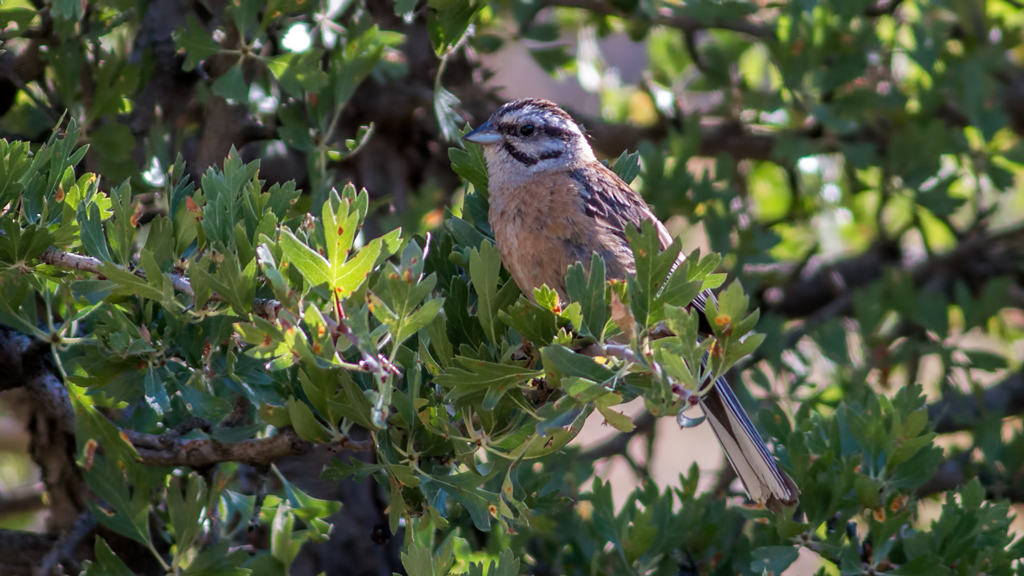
(856,163)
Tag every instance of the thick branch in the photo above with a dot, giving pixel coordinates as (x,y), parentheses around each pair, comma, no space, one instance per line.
(26,363)
(962,411)
(974,260)
(205,452)
(960,469)
(20,551)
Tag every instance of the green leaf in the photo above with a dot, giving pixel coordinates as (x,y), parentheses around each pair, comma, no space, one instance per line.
(121,229)
(423,316)
(94,240)
(232,86)
(305,423)
(185,510)
(446,106)
(130,512)
(349,67)
(773,559)
(464,488)
(128,283)
(340,227)
(336,470)
(561,362)
(404,8)
(14,162)
(984,360)
(353,273)
(590,293)
(20,17)
(68,10)
(196,43)
(536,324)
(484,271)
(115,80)
(353,404)
(107,563)
(627,166)
(506,565)
(417,559)
(470,164)
(447,21)
(313,267)
(294,127)
(156,393)
(652,267)
(478,375)
(299,72)
(90,424)
(617,420)
(203,405)
(218,560)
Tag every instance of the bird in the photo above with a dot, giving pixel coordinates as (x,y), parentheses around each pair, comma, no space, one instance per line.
(552,204)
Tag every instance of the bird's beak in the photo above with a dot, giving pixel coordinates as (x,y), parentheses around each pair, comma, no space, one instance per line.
(484,134)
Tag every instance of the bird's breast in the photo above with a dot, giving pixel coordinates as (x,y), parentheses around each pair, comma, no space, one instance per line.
(541,229)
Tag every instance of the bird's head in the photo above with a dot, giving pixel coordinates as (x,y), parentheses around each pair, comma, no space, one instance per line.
(528,136)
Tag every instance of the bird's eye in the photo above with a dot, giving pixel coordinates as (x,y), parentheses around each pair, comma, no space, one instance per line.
(526,130)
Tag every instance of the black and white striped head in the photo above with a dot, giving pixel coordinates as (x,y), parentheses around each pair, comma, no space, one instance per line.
(528,136)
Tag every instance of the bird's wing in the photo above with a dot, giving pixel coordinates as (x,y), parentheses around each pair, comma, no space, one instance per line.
(613,204)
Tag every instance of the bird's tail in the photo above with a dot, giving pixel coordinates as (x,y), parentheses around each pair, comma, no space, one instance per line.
(765,482)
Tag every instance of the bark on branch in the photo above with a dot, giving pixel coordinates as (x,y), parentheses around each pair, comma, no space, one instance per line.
(205,452)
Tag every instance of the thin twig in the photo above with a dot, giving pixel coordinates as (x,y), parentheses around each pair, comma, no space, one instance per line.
(263,307)
(626,354)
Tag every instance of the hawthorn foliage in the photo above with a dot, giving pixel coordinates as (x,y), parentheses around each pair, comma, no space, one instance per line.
(182,317)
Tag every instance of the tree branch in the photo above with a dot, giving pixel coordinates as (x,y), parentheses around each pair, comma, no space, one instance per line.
(20,551)
(168,450)
(263,307)
(962,411)
(974,260)
(27,364)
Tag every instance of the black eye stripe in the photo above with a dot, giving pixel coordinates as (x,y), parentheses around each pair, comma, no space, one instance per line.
(518,155)
(548,130)
(556,132)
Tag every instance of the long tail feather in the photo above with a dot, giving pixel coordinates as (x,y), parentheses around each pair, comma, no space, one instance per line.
(765,482)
